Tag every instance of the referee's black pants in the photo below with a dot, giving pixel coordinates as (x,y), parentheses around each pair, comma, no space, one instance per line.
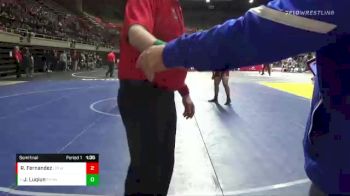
(149,116)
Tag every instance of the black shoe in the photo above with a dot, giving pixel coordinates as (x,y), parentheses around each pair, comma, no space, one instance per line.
(213,100)
(228,102)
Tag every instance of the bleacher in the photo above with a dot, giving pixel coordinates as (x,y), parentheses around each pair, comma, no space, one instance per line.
(89,37)
(92,20)
(53,7)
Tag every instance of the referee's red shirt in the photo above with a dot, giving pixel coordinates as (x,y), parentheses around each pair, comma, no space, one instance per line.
(164,20)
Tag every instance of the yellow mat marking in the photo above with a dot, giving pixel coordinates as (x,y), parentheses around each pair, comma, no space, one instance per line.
(299,89)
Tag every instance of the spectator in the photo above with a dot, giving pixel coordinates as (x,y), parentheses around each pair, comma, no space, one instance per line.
(48,58)
(266,66)
(82,60)
(28,63)
(17,55)
(64,61)
(69,61)
(98,61)
(52,60)
(111,64)
(75,60)
(28,17)
(44,61)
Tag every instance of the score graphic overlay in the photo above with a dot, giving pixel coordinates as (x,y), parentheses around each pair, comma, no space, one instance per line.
(57,169)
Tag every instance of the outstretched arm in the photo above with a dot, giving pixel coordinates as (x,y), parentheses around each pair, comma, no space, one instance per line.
(264,34)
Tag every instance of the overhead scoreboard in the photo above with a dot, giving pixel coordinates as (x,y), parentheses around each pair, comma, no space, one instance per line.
(57,169)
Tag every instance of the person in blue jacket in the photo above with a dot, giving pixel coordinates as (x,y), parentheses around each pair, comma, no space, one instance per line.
(272,32)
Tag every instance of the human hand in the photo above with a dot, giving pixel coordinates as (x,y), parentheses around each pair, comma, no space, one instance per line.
(189,107)
(151,61)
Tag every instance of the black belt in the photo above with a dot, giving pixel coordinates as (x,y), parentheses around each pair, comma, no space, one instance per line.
(140,83)
(135,82)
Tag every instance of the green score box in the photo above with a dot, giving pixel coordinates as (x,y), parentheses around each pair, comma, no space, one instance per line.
(92,179)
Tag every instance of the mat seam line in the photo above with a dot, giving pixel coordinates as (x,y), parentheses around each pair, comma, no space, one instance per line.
(210,159)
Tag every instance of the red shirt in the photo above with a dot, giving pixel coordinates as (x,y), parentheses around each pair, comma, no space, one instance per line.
(18,56)
(164,20)
(111,57)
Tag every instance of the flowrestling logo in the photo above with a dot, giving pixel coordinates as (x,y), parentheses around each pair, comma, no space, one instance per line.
(311,12)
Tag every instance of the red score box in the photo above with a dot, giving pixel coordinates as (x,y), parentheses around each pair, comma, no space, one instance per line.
(92,168)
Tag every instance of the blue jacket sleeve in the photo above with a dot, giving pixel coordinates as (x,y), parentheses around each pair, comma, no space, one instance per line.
(264,34)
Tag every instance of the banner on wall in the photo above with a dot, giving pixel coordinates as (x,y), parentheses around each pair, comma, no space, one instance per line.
(252,68)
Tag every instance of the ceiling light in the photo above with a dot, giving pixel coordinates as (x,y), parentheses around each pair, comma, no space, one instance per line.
(207,1)
(251,1)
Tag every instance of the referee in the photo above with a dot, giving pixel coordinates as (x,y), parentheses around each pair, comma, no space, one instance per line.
(148,109)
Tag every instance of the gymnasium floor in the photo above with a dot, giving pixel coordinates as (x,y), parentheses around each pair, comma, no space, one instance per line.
(253,147)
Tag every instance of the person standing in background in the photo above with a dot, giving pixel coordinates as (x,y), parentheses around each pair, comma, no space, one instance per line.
(82,60)
(28,62)
(75,60)
(64,60)
(98,61)
(44,61)
(266,66)
(32,65)
(55,60)
(69,61)
(111,64)
(17,55)
(49,60)
(223,76)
